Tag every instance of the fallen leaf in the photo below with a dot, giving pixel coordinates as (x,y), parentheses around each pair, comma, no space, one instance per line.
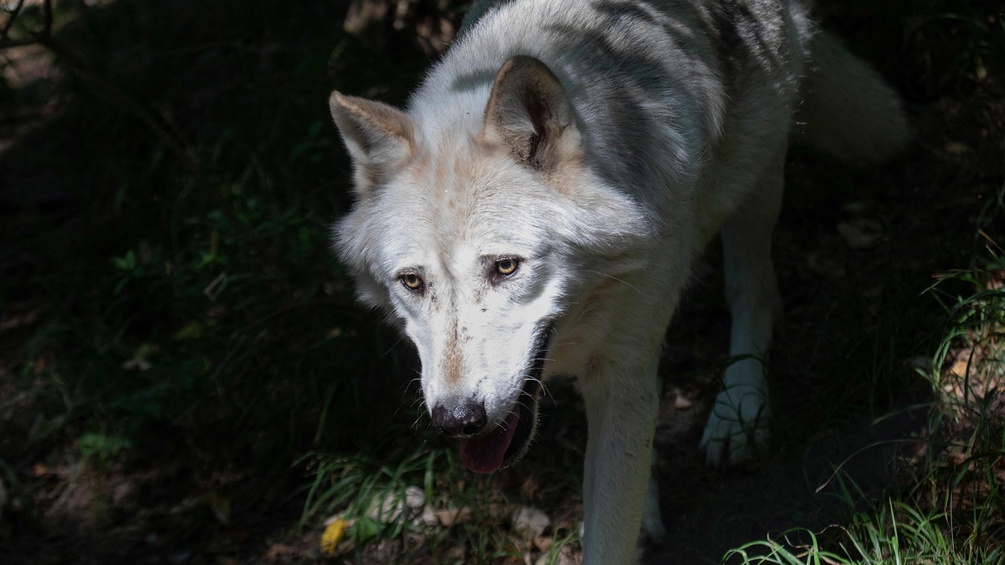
(960,367)
(543,543)
(827,266)
(450,516)
(857,208)
(137,363)
(18,320)
(281,552)
(428,517)
(191,330)
(391,506)
(219,506)
(861,233)
(956,148)
(414,497)
(530,523)
(331,536)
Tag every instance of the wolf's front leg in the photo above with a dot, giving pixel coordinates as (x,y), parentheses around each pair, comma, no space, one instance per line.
(622,403)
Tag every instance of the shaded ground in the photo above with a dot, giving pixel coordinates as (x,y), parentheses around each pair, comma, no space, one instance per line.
(855,325)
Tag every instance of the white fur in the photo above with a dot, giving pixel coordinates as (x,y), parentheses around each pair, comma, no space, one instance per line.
(605,158)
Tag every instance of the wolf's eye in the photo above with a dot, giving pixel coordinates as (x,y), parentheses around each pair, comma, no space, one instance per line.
(412,282)
(507,266)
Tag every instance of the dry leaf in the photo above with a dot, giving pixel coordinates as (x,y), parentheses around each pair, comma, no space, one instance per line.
(861,233)
(960,367)
(390,507)
(428,517)
(332,535)
(956,148)
(543,543)
(450,516)
(530,523)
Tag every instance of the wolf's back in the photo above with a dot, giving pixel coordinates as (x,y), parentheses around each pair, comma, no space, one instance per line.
(847,110)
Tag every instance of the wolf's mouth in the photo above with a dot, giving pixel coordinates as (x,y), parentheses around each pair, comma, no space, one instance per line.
(507,443)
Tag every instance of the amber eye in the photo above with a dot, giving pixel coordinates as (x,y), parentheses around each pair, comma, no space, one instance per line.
(507,266)
(412,282)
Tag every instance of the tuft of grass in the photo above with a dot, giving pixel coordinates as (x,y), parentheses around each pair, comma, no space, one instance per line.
(411,505)
(894,533)
(372,497)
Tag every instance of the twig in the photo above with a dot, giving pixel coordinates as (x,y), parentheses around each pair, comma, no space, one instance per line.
(36,37)
(10,23)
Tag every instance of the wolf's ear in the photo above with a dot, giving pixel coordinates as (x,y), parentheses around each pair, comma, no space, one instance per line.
(379,137)
(530,113)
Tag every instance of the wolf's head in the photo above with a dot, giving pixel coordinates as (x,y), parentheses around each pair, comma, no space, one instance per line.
(479,237)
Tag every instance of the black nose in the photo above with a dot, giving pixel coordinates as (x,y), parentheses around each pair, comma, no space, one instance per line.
(460,417)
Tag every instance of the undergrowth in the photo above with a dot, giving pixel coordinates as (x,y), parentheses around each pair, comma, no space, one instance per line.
(953,511)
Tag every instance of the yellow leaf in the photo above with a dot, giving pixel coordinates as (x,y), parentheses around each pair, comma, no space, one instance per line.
(331,536)
(192,330)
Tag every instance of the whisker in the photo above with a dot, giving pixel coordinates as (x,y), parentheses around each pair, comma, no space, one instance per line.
(393,345)
(612,277)
(565,343)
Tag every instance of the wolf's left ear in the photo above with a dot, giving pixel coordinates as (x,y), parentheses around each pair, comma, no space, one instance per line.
(379,137)
(530,113)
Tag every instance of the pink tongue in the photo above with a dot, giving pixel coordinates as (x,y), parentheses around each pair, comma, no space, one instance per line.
(484,454)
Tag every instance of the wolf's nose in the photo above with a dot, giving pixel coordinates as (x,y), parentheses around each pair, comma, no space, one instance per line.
(460,417)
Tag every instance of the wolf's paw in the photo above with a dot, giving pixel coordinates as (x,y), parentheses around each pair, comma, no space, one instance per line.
(737,426)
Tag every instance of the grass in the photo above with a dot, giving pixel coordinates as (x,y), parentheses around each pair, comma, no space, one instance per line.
(183,370)
(896,534)
(423,499)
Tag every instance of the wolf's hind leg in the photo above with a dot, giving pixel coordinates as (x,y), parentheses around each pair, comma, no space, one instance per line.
(739,421)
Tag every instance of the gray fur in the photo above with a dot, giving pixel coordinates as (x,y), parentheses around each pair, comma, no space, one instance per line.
(599,144)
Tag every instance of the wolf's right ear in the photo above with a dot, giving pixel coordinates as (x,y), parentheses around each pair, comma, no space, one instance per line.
(379,138)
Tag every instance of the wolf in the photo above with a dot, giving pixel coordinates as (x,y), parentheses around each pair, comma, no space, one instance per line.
(538,206)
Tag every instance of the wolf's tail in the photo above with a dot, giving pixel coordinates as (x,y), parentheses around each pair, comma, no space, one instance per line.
(847,109)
